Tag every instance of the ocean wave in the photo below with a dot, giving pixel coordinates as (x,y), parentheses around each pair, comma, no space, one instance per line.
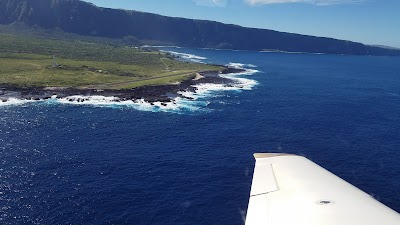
(207,90)
(240,65)
(88,100)
(235,65)
(186,56)
(15,101)
(160,46)
(176,104)
(285,52)
(244,67)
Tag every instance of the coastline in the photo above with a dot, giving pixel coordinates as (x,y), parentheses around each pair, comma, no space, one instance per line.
(151,94)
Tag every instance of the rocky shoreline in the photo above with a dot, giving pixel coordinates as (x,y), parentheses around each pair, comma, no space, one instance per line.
(151,94)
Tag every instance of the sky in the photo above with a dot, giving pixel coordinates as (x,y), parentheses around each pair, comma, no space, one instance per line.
(375,22)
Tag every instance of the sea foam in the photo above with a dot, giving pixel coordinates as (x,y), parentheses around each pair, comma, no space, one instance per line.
(15,101)
(186,56)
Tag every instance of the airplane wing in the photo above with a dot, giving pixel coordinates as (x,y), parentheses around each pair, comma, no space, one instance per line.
(292,190)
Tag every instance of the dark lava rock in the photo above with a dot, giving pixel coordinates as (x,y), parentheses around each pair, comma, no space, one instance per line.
(232,70)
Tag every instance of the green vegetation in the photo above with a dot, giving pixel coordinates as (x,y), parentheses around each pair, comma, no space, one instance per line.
(27,61)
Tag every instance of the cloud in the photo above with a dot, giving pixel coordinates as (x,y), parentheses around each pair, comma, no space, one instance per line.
(314,2)
(212,3)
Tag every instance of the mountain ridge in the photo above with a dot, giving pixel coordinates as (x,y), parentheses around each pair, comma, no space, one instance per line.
(83,18)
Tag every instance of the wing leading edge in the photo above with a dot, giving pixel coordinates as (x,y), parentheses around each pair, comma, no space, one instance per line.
(292,190)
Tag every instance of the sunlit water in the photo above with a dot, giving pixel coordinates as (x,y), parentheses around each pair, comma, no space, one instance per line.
(101,163)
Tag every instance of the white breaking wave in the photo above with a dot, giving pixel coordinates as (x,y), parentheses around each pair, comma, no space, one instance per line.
(186,56)
(177,104)
(236,65)
(15,101)
(240,82)
(207,90)
(285,52)
(160,46)
(241,66)
(88,100)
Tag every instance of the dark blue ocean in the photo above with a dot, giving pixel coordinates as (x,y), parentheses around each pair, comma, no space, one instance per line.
(90,164)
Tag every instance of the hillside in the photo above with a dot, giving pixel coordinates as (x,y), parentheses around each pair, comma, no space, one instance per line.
(83,18)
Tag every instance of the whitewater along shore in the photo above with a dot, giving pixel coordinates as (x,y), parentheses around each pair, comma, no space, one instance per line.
(151,94)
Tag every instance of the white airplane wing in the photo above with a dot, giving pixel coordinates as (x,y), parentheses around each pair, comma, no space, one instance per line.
(292,190)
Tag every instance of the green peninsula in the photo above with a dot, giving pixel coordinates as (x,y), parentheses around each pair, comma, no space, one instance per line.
(32,61)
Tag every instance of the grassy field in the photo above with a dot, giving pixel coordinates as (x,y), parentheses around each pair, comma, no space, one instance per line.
(27,61)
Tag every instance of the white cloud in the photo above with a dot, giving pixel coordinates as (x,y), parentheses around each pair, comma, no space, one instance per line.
(314,2)
(211,3)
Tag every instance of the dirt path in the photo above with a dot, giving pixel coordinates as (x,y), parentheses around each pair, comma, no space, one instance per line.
(166,65)
(126,83)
